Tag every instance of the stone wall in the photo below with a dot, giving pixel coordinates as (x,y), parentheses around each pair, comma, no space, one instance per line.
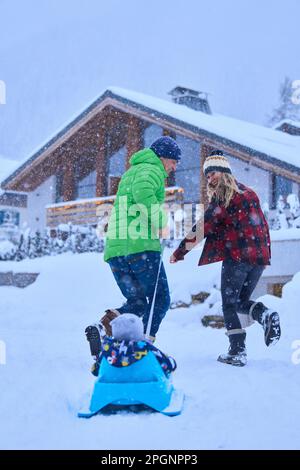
(22,280)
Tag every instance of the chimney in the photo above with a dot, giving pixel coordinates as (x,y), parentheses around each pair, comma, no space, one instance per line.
(289,126)
(196,100)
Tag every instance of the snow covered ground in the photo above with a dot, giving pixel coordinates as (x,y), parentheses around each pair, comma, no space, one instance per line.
(46,375)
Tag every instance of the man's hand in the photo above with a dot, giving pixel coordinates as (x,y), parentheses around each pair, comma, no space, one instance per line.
(164,233)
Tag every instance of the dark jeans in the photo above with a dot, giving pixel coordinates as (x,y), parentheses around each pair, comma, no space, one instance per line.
(136,276)
(238,281)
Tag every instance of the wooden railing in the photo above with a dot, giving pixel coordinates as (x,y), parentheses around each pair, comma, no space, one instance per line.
(88,211)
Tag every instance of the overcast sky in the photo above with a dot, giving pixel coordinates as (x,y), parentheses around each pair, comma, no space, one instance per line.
(57,55)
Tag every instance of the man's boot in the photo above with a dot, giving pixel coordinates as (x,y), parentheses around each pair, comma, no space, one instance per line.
(269,319)
(236,355)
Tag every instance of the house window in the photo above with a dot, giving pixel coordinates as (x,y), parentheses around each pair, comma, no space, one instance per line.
(9,217)
(116,168)
(117,163)
(152,133)
(281,186)
(86,187)
(187,173)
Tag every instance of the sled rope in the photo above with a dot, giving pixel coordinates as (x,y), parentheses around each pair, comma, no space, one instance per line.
(150,319)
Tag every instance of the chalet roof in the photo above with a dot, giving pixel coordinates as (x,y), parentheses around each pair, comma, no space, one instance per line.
(259,140)
(6,167)
(278,148)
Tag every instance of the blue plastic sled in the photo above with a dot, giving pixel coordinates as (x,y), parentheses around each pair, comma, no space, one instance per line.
(143,382)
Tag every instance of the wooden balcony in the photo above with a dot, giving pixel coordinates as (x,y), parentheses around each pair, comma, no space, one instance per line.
(88,211)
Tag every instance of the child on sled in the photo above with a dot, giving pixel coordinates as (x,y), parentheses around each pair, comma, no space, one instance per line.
(124,345)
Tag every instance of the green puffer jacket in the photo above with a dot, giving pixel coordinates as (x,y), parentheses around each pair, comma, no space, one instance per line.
(137,214)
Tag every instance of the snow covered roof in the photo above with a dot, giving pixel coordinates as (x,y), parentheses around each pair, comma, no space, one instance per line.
(267,144)
(6,167)
(280,146)
(287,121)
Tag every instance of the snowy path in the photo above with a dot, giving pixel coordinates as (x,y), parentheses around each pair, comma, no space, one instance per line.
(47,373)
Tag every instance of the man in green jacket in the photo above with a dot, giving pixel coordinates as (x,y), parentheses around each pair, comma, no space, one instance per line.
(132,245)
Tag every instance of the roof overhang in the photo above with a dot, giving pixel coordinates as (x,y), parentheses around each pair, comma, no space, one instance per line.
(110,98)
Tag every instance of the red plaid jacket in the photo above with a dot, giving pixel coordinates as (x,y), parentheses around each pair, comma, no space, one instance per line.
(239,232)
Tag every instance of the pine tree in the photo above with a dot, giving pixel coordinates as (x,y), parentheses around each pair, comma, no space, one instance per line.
(287,109)
(36,249)
(65,235)
(78,242)
(21,252)
(46,244)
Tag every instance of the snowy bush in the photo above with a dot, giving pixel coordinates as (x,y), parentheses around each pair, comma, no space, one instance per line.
(7,250)
(53,241)
(287,213)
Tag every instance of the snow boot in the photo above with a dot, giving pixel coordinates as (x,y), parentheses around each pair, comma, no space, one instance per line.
(97,330)
(269,319)
(236,355)
(93,335)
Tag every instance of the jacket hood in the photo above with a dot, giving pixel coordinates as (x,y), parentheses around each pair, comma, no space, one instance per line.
(147,156)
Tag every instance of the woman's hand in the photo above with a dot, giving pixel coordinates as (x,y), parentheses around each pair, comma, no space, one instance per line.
(173,259)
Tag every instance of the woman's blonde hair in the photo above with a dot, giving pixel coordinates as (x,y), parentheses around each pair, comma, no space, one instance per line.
(224,191)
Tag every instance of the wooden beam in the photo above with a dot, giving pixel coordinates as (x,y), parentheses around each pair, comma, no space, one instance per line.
(134,138)
(204,152)
(68,185)
(101,158)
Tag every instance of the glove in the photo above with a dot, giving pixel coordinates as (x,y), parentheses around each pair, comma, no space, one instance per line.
(107,318)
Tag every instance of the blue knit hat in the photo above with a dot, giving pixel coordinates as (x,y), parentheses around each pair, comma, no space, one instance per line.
(166,147)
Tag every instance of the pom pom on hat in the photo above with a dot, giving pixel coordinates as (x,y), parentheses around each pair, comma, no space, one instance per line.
(127,327)
(216,162)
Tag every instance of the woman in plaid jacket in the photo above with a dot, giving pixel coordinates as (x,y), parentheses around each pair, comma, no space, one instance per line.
(236,233)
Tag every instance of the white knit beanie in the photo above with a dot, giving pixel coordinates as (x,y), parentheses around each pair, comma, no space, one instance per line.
(127,327)
(216,162)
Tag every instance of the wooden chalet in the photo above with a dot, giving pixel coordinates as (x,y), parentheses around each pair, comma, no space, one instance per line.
(80,167)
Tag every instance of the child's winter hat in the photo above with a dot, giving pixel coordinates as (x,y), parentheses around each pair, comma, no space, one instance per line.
(216,162)
(166,147)
(127,327)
